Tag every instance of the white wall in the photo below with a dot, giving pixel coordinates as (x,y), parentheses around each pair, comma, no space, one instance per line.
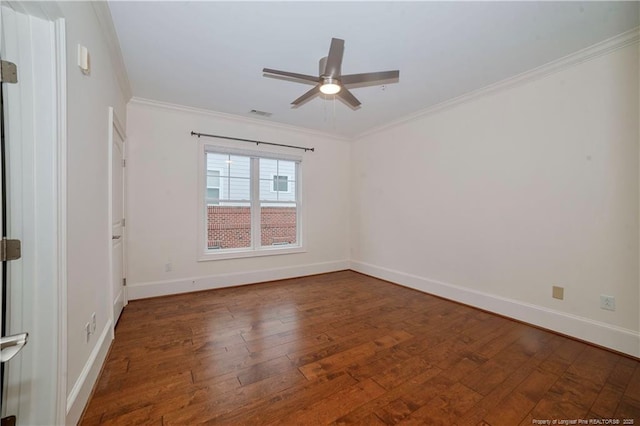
(87,200)
(495,200)
(162,212)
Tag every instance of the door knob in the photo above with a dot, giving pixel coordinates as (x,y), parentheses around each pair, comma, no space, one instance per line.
(11,345)
(116,237)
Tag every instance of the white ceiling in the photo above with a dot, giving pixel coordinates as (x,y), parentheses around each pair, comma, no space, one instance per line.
(210,54)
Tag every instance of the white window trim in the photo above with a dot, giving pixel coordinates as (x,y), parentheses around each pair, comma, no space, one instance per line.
(203,253)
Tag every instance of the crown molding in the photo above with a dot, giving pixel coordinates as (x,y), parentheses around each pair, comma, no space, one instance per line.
(595,51)
(234,117)
(103,13)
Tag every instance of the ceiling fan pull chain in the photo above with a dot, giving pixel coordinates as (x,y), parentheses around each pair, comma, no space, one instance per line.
(326,113)
(334,112)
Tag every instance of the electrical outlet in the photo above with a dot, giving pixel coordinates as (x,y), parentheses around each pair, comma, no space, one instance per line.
(168,267)
(87,329)
(607,302)
(558,292)
(93,323)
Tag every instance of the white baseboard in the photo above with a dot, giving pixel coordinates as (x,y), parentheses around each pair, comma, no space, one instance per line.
(599,333)
(81,390)
(144,290)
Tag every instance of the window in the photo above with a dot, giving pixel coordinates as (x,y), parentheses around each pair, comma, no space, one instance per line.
(213,187)
(280,183)
(250,204)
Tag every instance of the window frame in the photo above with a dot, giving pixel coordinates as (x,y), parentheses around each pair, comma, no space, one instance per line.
(256,249)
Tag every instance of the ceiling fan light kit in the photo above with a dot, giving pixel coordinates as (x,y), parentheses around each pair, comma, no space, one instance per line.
(330,86)
(331,81)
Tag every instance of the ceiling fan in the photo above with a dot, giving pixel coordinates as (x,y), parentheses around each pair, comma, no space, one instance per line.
(331,81)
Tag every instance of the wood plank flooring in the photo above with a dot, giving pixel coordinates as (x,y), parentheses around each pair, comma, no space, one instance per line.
(345,348)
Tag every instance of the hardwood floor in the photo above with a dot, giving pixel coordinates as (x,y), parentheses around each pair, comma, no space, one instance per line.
(345,348)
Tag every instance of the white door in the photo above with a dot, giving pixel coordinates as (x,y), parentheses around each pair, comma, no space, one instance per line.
(14,305)
(117,138)
(30,214)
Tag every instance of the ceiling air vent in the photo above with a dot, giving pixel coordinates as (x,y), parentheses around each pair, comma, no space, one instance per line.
(260,113)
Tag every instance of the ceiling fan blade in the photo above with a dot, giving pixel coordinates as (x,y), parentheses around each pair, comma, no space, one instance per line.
(308,95)
(334,60)
(370,77)
(348,97)
(305,77)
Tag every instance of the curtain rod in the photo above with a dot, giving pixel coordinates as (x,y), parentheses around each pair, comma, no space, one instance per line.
(252,141)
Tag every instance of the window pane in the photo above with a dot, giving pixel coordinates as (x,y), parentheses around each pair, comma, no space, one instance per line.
(277,180)
(229,165)
(268,168)
(239,166)
(278,225)
(216,161)
(229,227)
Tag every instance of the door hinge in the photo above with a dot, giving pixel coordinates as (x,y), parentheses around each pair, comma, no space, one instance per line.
(10,250)
(8,72)
(124,282)
(124,162)
(124,221)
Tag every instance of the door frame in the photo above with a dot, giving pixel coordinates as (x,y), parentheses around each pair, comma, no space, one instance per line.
(115,125)
(48,359)
(61,199)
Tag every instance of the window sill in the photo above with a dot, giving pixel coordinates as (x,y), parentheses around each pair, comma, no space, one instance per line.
(239,254)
